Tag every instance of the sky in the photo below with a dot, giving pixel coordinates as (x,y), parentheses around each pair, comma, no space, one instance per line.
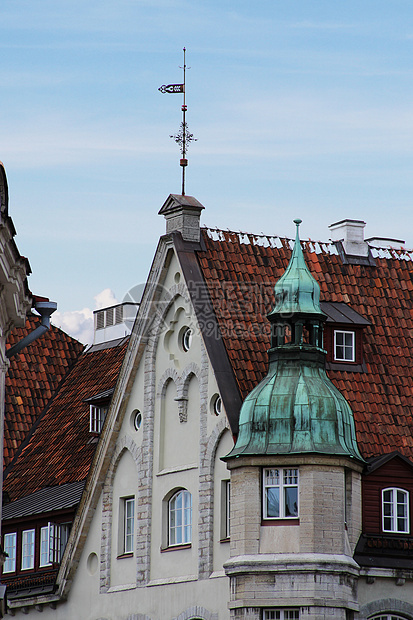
(300,109)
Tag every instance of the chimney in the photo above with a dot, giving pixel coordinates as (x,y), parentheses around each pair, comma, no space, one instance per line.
(351,235)
(182,214)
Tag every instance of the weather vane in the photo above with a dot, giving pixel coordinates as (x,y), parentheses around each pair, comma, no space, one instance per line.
(183,137)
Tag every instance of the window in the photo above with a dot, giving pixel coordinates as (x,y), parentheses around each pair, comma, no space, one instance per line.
(58,537)
(281,614)
(344,347)
(129,524)
(187,339)
(97,418)
(280,497)
(44,546)
(180,518)
(225,508)
(27,549)
(395,510)
(387,617)
(10,541)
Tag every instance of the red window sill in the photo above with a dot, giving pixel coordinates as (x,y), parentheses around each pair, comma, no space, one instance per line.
(124,555)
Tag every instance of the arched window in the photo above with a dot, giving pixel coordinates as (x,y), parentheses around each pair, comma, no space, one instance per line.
(395,508)
(387,617)
(180,518)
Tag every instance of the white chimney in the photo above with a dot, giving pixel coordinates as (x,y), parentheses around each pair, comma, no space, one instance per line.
(351,234)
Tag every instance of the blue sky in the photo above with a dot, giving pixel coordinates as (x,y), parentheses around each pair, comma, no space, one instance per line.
(301,109)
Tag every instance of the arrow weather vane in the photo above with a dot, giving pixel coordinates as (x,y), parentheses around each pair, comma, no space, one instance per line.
(183,137)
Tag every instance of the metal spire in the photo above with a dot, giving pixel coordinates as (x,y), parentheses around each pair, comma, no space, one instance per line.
(183,137)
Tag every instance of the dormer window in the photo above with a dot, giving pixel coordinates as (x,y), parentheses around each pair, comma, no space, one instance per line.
(344,346)
(98,408)
(395,506)
(343,336)
(97,418)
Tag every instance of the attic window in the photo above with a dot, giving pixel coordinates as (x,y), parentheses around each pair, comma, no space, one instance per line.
(97,418)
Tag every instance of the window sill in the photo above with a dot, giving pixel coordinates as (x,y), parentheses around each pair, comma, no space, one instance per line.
(124,555)
(291,521)
(225,540)
(176,547)
(346,366)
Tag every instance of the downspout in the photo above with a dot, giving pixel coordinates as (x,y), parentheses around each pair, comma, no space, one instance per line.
(45,309)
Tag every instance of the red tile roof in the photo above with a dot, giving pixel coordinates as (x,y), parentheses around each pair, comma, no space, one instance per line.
(32,379)
(61,447)
(240,271)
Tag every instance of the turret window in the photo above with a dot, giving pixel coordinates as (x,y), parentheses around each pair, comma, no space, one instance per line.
(280,496)
(395,510)
(281,614)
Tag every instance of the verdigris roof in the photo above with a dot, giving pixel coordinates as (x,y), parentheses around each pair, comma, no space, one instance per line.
(296,408)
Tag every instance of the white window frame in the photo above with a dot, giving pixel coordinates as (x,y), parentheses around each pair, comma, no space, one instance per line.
(281,614)
(44,559)
(392,510)
(180,518)
(57,540)
(283,479)
(10,547)
(346,347)
(128,525)
(28,549)
(97,417)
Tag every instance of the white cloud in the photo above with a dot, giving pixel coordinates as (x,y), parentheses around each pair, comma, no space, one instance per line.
(105,298)
(79,323)
(76,323)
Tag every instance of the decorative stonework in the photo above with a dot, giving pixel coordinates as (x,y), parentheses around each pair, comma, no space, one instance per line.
(389,605)
(200,613)
(206,504)
(125,443)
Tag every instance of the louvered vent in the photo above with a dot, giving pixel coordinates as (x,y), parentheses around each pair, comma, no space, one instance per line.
(118,315)
(100,319)
(109,317)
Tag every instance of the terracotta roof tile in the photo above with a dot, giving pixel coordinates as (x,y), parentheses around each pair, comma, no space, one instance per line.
(32,378)
(381,398)
(63,429)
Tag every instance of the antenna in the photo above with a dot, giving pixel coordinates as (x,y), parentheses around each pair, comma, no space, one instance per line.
(183,138)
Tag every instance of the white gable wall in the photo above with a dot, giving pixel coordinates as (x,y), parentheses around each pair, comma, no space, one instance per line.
(178,446)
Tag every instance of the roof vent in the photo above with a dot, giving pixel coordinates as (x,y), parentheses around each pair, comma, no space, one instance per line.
(114,322)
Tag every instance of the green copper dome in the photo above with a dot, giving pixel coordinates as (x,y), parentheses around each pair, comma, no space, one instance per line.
(296,409)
